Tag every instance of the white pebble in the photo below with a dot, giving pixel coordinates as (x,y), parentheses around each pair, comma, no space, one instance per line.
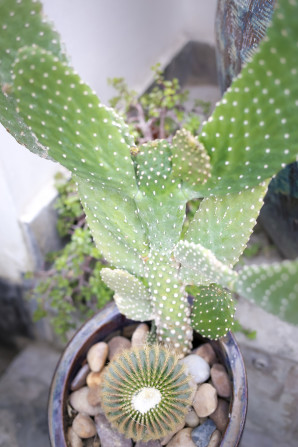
(197,367)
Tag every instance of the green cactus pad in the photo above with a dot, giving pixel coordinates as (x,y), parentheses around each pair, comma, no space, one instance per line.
(169,299)
(89,139)
(145,393)
(213,311)
(190,161)
(115,225)
(206,267)
(23,24)
(131,296)
(160,200)
(253,131)
(16,32)
(274,287)
(70,123)
(224,224)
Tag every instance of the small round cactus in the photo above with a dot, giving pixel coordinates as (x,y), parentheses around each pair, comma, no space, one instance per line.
(145,393)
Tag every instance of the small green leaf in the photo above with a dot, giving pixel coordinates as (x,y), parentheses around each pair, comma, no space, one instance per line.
(202,265)
(224,224)
(274,287)
(131,296)
(213,311)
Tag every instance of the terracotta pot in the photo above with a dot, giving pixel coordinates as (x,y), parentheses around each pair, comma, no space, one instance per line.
(109,322)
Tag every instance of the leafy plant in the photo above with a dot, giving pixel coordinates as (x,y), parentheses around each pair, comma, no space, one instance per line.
(72,289)
(159,112)
(69,209)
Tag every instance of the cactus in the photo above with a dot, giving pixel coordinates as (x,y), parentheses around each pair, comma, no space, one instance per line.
(145,393)
(210,302)
(135,197)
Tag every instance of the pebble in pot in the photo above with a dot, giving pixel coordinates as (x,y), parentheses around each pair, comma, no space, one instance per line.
(205,401)
(108,436)
(192,419)
(197,367)
(117,345)
(220,380)
(80,378)
(73,439)
(79,401)
(182,438)
(139,337)
(97,356)
(167,438)
(84,426)
(207,353)
(221,415)
(202,434)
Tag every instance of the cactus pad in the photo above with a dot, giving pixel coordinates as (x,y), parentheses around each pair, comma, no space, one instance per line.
(213,311)
(90,140)
(160,200)
(22,23)
(190,161)
(70,123)
(131,296)
(115,225)
(224,224)
(274,287)
(170,304)
(253,131)
(203,265)
(145,393)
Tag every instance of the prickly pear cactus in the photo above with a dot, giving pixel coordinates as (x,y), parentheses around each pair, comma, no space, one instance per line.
(135,197)
(210,302)
(145,393)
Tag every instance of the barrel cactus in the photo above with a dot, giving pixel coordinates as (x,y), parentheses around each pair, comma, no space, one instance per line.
(145,393)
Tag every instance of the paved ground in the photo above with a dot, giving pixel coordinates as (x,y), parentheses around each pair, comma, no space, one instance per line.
(24,391)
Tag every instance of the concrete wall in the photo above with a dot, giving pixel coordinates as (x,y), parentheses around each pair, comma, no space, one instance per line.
(104,39)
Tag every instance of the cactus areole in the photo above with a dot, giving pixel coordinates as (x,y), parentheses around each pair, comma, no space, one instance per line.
(145,399)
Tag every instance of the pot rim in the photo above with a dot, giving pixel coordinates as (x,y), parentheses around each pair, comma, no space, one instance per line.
(107,321)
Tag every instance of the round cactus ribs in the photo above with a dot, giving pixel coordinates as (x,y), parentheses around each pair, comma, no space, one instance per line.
(145,393)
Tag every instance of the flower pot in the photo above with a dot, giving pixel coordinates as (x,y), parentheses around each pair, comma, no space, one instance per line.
(109,322)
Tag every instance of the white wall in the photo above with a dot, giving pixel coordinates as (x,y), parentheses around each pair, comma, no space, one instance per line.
(105,38)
